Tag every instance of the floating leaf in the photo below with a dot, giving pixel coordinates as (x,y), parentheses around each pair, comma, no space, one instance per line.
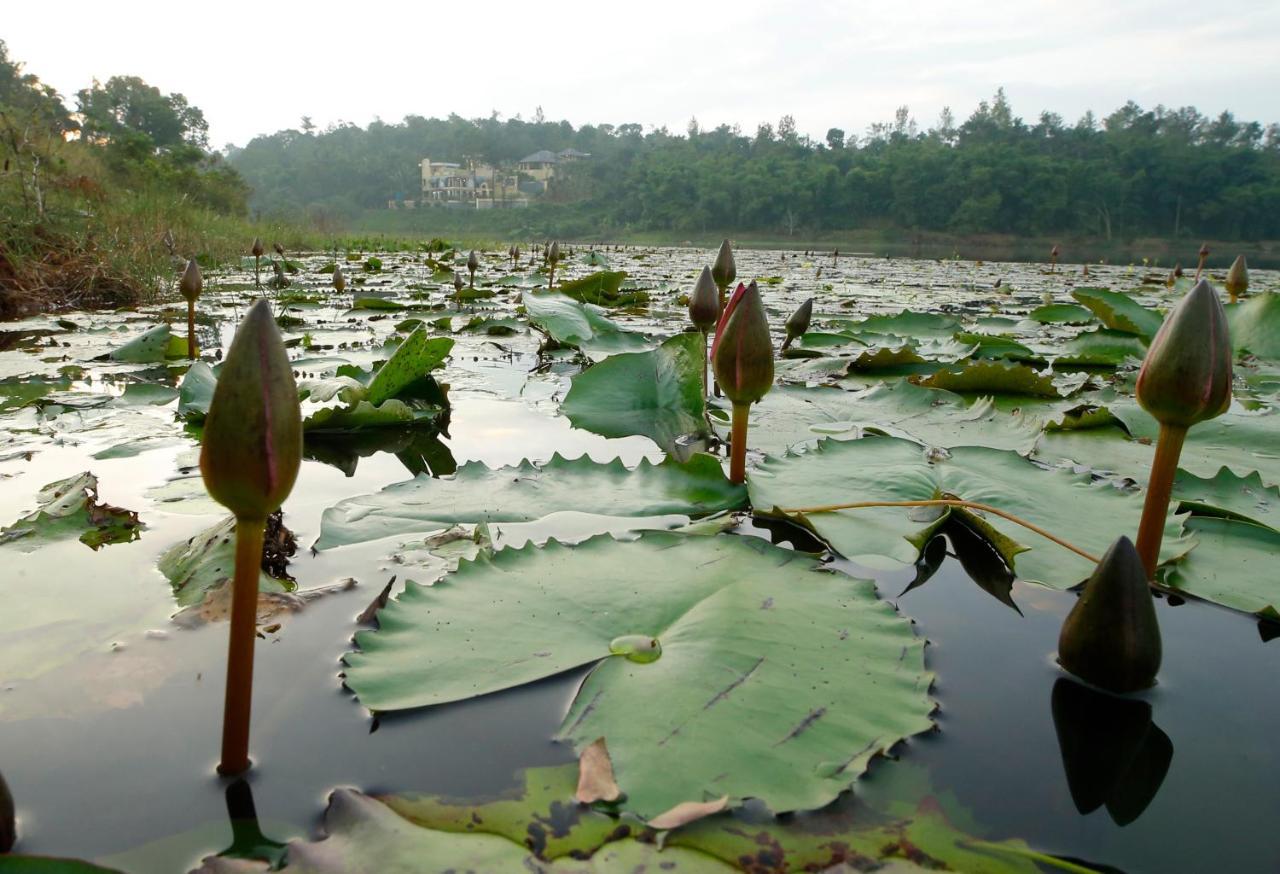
(778,680)
(1230,496)
(521,494)
(599,288)
(1119,312)
(1233,564)
(1102,348)
(999,346)
(904,324)
(70,508)
(885,469)
(377,303)
(413,360)
(155,345)
(1255,326)
(993,377)
(206,562)
(655,394)
(195,394)
(1061,314)
(572,323)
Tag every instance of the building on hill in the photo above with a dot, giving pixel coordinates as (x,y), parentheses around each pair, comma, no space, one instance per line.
(470,184)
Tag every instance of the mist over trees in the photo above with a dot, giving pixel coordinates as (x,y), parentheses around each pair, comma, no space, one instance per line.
(1135,172)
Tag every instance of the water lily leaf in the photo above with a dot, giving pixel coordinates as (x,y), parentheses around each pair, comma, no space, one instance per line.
(571,323)
(1233,564)
(886,469)
(1230,496)
(993,377)
(70,508)
(904,324)
(1255,325)
(206,562)
(823,340)
(478,493)
(778,679)
(1061,314)
(999,346)
(156,344)
(413,359)
(1101,348)
(655,394)
(601,288)
(790,415)
(377,303)
(366,835)
(1119,312)
(195,394)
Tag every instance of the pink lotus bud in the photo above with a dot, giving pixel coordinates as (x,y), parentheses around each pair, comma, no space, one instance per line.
(704,303)
(742,354)
(1186,376)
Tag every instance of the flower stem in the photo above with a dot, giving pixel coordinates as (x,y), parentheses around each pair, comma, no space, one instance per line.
(738,444)
(948,502)
(705,387)
(1159,490)
(244,628)
(191,329)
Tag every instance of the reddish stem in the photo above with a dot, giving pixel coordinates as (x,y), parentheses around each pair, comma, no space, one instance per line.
(738,444)
(191,329)
(1159,489)
(705,387)
(244,629)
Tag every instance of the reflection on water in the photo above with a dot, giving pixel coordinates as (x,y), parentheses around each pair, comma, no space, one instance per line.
(8,820)
(247,839)
(1112,751)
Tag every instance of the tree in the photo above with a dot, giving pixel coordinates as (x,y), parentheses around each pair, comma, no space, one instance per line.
(127,107)
(835,138)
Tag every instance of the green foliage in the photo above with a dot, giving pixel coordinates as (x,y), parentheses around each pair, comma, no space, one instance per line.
(70,508)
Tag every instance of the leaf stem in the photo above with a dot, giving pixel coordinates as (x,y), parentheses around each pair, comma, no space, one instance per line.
(244,622)
(705,387)
(738,444)
(191,329)
(948,502)
(1159,489)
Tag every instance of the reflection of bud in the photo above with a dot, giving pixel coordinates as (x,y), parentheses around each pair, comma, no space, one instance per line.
(724,271)
(8,819)
(1111,637)
(704,303)
(339,278)
(1186,375)
(1237,278)
(798,324)
(257,249)
(1112,751)
(743,353)
(191,283)
(253,434)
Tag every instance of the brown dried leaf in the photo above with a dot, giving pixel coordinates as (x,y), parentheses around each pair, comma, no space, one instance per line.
(688,811)
(595,775)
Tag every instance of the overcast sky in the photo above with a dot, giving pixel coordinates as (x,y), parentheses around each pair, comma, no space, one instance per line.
(256,67)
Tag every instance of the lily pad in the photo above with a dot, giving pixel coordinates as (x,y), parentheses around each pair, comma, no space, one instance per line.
(157,344)
(1255,326)
(1230,496)
(655,394)
(1233,564)
(196,567)
(521,494)
(1072,506)
(1101,348)
(1119,312)
(779,680)
(1061,314)
(993,377)
(600,288)
(70,508)
(584,326)
(905,324)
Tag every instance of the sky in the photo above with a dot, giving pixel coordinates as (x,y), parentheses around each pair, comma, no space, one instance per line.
(257,67)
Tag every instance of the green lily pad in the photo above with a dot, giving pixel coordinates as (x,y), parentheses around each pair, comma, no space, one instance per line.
(1233,564)
(993,377)
(1119,312)
(1230,496)
(478,493)
(195,393)
(1060,314)
(905,324)
(1255,325)
(1101,348)
(70,508)
(413,360)
(157,344)
(601,288)
(778,680)
(572,323)
(655,394)
(366,835)
(206,562)
(1072,506)
(377,303)
(999,346)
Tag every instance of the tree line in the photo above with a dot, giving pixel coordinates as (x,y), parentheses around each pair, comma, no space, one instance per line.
(1136,172)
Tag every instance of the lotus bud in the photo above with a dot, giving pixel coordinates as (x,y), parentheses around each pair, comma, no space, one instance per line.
(1177,270)
(279,249)
(473,263)
(1237,278)
(257,250)
(724,271)
(1204,251)
(252,443)
(743,352)
(1186,375)
(704,303)
(339,279)
(1111,637)
(553,254)
(1053,257)
(458,284)
(798,324)
(191,283)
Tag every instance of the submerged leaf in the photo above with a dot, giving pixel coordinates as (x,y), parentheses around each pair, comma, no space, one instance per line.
(70,508)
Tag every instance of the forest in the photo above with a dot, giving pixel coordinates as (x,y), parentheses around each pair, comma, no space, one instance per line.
(1136,172)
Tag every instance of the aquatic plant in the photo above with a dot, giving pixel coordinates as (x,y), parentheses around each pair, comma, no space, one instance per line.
(742,356)
(1053,259)
(249,459)
(1185,379)
(339,279)
(704,310)
(1111,637)
(1204,256)
(553,257)
(256,250)
(473,262)
(798,323)
(1237,279)
(190,286)
(724,270)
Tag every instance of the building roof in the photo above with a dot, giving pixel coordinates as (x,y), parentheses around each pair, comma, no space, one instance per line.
(543,156)
(573,153)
